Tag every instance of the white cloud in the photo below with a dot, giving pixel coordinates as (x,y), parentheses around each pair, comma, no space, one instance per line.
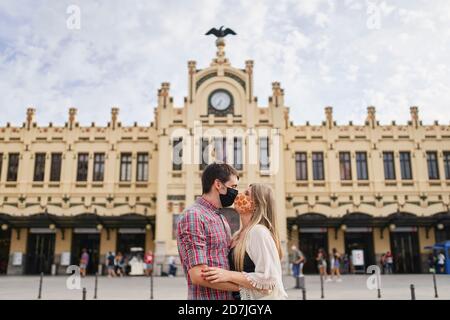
(320,50)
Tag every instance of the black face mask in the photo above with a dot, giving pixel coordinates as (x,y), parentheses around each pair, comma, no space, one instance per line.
(228,199)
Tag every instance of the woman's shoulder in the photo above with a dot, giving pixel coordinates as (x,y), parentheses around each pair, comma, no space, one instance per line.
(259,230)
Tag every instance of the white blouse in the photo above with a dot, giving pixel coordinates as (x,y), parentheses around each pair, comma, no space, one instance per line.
(262,250)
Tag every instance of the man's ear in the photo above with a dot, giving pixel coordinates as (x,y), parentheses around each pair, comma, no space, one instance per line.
(217,184)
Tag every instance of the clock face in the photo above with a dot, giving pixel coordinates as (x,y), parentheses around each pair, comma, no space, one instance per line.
(220,100)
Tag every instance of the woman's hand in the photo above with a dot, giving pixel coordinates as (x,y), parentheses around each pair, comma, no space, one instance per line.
(216,275)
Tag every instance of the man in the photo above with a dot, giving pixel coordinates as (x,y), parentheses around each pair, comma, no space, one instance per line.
(203,233)
(297,260)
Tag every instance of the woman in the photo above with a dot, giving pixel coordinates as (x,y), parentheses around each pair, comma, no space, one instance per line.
(255,255)
(322,263)
(336,265)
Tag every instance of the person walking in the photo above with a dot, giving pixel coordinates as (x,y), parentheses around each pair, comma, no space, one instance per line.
(297,261)
(383,263)
(321,259)
(84,261)
(389,262)
(172,267)
(336,265)
(148,260)
(110,264)
(441,262)
(119,264)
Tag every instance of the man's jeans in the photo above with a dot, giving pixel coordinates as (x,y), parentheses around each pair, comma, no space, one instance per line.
(297,269)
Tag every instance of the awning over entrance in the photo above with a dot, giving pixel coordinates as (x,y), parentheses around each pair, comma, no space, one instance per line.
(88,220)
(359,220)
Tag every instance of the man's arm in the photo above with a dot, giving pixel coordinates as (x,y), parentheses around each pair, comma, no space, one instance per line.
(191,237)
(195,273)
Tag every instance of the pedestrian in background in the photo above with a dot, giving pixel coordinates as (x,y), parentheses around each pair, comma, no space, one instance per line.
(297,260)
(84,261)
(441,262)
(110,264)
(148,260)
(389,262)
(336,265)
(321,259)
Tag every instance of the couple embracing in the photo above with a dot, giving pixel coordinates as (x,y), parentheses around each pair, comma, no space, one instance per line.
(221,266)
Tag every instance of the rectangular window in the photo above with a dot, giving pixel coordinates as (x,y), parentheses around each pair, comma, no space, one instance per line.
(237,155)
(345,165)
(433,167)
(177,154)
(220,149)
(318,168)
(142,167)
(264,163)
(13,167)
(361,166)
(405,165)
(446,164)
(389,165)
(125,167)
(82,167)
(99,167)
(39,167)
(204,157)
(301,166)
(55,167)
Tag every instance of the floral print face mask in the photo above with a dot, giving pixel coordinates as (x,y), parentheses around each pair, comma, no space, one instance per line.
(244,204)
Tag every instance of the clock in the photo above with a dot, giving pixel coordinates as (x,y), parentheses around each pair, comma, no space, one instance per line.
(220,102)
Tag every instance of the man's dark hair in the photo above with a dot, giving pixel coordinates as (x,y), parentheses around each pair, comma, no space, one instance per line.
(221,171)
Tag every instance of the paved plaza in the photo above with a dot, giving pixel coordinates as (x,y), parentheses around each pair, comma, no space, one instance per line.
(353,287)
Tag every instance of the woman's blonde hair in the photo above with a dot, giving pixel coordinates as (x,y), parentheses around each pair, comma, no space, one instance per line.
(264,203)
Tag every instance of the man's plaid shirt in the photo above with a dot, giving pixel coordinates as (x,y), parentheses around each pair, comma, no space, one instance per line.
(203,237)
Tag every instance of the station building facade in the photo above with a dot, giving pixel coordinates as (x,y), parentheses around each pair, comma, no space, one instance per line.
(369,187)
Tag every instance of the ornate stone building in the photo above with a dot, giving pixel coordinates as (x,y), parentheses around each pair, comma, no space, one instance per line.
(369,187)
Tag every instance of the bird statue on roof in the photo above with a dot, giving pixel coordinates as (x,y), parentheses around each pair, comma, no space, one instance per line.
(221,33)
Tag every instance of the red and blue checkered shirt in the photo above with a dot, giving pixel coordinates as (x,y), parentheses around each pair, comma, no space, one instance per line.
(203,237)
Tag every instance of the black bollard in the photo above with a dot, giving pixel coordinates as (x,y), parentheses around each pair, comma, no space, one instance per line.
(151,285)
(84,293)
(321,287)
(413,293)
(40,286)
(435,286)
(304,293)
(378,287)
(96,284)
(297,283)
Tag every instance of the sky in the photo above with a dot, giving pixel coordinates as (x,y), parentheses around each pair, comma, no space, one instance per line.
(348,54)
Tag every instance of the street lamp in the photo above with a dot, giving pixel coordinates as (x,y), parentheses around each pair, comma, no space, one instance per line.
(99,227)
(392,227)
(4,227)
(440,226)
